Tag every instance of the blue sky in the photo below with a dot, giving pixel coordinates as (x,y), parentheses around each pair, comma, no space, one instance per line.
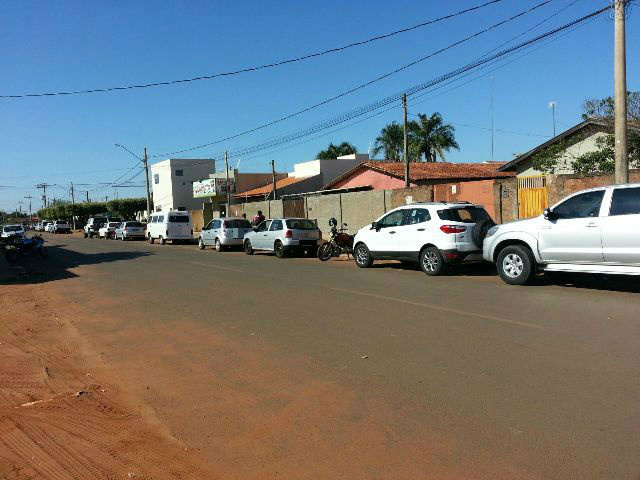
(52,46)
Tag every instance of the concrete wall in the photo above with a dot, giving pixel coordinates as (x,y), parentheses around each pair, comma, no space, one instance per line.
(322,208)
(505,200)
(362,208)
(560,186)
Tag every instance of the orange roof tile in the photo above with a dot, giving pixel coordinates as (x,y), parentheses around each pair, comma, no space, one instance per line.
(283,182)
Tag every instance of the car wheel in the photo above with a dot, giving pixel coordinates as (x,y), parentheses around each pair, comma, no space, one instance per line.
(248,249)
(515,265)
(123,239)
(431,261)
(325,251)
(85,235)
(218,245)
(201,244)
(363,256)
(278,248)
(151,239)
(162,240)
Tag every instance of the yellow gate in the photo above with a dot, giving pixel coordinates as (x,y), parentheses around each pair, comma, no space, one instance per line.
(532,196)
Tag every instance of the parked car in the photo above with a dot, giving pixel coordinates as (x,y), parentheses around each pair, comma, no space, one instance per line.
(433,234)
(173,225)
(591,231)
(223,233)
(92,228)
(43,226)
(108,230)
(9,230)
(284,236)
(60,226)
(131,229)
(49,227)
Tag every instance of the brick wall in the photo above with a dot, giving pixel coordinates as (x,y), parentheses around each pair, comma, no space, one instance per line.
(561,186)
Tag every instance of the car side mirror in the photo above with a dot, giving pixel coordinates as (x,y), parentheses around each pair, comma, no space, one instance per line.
(549,215)
(255,229)
(376,226)
(345,225)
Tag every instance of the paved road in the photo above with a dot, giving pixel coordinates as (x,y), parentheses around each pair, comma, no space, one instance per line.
(294,368)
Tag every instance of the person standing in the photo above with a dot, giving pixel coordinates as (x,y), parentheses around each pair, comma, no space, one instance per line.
(258,219)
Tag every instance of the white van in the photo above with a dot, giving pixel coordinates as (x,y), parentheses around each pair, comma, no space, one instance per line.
(172,225)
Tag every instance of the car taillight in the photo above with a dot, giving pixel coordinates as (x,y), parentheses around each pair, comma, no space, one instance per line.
(224,224)
(453,228)
(288,234)
(126,229)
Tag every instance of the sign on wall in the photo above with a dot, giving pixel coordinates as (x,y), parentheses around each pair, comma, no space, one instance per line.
(213,187)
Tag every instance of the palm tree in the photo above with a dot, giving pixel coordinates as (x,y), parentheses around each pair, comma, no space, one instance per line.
(391,142)
(335,151)
(431,137)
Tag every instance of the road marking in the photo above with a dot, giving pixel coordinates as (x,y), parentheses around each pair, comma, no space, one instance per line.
(437,307)
(209,265)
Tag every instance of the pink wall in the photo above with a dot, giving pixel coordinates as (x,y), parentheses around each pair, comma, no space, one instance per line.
(478,191)
(377,180)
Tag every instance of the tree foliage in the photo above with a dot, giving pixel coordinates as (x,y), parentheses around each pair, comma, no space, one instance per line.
(335,151)
(390,142)
(125,208)
(604,108)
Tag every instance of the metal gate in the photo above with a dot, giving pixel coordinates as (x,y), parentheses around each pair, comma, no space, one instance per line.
(532,196)
(293,207)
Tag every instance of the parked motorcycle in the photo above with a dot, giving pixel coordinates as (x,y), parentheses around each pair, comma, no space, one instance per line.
(18,246)
(339,242)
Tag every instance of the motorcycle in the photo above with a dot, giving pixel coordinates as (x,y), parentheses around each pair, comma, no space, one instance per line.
(339,242)
(18,246)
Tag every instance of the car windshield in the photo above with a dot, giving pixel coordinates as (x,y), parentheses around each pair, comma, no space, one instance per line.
(178,219)
(133,224)
(464,214)
(12,228)
(302,224)
(239,223)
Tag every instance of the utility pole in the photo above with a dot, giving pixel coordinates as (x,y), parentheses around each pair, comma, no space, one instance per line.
(87,192)
(73,209)
(43,186)
(492,149)
(226,169)
(145,160)
(552,106)
(406,141)
(20,202)
(273,177)
(620,93)
(30,216)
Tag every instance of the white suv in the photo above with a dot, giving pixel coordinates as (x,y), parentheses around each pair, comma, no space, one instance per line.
(433,234)
(592,231)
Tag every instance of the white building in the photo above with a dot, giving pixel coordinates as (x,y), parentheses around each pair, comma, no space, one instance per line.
(172,181)
(330,169)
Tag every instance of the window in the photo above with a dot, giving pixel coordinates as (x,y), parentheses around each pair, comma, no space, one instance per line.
(209,226)
(464,214)
(302,224)
(133,224)
(216,224)
(179,173)
(160,218)
(156,178)
(394,219)
(178,219)
(264,226)
(237,224)
(417,215)
(276,225)
(583,205)
(158,208)
(626,201)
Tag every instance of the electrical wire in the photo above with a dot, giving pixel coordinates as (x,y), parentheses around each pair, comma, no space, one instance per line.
(259,67)
(358,87)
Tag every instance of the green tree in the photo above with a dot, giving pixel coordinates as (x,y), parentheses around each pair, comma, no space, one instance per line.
(431,137)
(390,142)
(604,108)
(335,151)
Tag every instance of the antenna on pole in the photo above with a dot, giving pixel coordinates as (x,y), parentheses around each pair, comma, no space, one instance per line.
(492,130)
(552,106)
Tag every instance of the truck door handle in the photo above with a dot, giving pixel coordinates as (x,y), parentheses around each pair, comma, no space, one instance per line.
(420,229)
(392,232)
(592,225)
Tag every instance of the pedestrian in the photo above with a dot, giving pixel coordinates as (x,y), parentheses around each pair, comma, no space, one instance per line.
(258,219)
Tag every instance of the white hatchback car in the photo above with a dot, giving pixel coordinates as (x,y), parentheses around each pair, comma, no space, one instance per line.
(283,236)
(108,230)
(433,234)
(224,232)
(591,231)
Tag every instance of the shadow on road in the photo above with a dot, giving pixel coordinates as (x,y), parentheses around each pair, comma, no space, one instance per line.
(33,269)
(616,283)
(472,269)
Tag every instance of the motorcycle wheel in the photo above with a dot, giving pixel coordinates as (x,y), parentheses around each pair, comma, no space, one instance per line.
(325,251)
(44,253)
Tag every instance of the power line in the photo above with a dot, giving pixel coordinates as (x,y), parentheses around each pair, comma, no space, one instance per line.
(260,67)
(359,87)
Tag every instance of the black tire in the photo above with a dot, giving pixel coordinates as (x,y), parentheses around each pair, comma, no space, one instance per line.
(432,261)
(151,239)
(479,231)
(85,235)
(122,238)
(44,253)
(312,252)
(278,249)
(162,240)
(218,246)
(11,255)
(363,256)
(247,247)
(325,252)
(515,265)
(201,244)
